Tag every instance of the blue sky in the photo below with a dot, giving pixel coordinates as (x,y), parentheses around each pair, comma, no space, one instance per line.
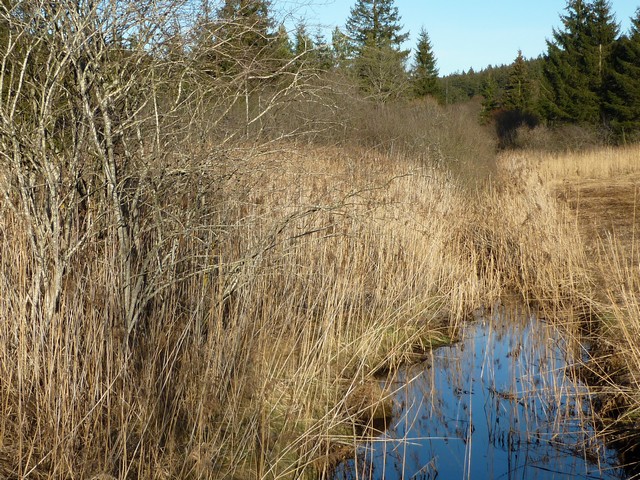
(464,33)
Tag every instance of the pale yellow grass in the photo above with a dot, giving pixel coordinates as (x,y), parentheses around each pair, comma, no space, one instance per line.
(601,191)
(599,163)
(300,274)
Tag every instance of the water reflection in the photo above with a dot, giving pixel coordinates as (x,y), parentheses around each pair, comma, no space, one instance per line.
(498,404)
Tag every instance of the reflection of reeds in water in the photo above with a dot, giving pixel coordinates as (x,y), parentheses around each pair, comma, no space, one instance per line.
(502,401)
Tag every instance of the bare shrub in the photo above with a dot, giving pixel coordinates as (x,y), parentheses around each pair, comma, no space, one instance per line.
(565,138)
(120,180)
(421,131)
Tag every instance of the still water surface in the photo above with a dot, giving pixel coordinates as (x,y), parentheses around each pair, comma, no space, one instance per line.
(499,404)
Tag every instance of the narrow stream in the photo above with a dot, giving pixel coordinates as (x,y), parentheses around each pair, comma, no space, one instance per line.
(499,404)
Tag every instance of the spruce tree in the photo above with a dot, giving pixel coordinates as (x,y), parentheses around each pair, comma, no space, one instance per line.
(376,37)
(375,23)
(302,43)
(602,34)
(341,49)
(283,50)
(576,63)
(323,55)
(490,101)
(623,92)
(246,22)
(568,96)
(313,53)
(517,93)
(381,74)
(424,74)
(243,35)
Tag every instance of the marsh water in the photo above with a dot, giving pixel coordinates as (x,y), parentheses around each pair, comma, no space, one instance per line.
(502,403)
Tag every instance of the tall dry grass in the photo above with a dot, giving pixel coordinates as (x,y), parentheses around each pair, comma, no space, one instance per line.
(297,275)
(600,191)
(596,163)
(178,304)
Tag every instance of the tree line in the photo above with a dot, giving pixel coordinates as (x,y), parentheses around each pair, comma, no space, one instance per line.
(589,76)
(369,51)
(590,72)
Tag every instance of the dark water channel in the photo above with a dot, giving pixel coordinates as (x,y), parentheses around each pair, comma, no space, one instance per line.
(499,404)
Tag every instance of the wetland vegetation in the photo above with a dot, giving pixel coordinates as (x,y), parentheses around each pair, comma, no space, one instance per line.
(502,402)
(210,258)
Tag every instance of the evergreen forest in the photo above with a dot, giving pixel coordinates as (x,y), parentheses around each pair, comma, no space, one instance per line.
(589,75)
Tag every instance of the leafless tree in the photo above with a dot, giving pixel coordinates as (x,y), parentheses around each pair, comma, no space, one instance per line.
(99,100)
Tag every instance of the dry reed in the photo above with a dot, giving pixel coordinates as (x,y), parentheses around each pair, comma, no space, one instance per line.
(599,190)
(297,277)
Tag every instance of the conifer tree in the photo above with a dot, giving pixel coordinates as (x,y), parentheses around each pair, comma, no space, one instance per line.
(283,50)
(490,100)
(229,37)
(568,95)
(602,34)
(375,23)
(247,22)
(238,37)
(576,63)
(623,93)
(323,55)
(314,53)
(375,35)
(517,93)
(302,44)
(341,48)
(424,73)
(381,73)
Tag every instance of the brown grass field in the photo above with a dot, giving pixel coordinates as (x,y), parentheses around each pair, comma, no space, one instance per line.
(205,269)
(603,188)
